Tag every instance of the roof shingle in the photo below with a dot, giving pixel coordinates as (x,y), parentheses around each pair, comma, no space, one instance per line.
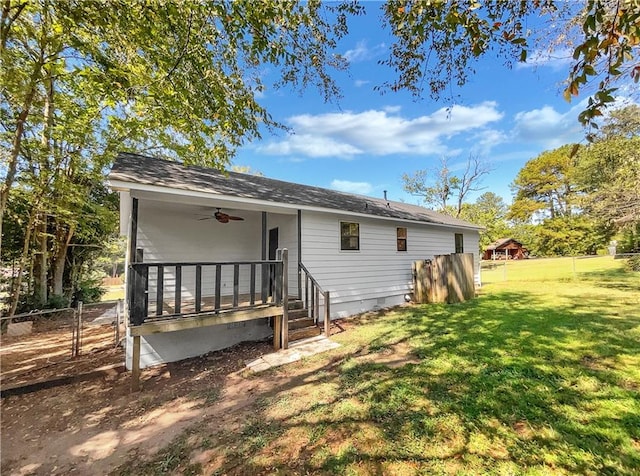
(139,169)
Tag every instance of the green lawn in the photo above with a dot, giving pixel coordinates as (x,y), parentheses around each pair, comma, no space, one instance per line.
(548,269)
(113,293)
(539,375)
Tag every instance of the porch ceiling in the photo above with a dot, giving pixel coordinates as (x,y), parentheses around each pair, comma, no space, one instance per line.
(188,203)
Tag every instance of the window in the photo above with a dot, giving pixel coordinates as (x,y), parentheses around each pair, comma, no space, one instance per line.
(459,243)
(402,238)
(349,236)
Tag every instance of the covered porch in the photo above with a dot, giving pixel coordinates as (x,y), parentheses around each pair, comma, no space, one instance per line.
(188,272)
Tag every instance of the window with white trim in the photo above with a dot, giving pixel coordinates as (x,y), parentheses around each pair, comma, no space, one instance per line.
(349,236)
(459,242)
(401,238)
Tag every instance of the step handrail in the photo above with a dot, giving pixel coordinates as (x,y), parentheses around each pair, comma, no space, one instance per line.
(313,304)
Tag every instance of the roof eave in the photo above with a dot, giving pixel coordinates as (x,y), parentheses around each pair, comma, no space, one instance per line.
(130,186)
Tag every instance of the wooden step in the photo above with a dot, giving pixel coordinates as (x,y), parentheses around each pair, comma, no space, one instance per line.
(303,333)
(301,322)
(295,304)
(297,314)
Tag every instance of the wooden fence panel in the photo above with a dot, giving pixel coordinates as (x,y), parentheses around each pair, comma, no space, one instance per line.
(440,271)
(460,283)
(445,279)
(420,281)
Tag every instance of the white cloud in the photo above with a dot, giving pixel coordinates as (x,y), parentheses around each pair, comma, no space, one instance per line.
(361,188)
(548,127)
(556,60)
(310,146)
(379,132)
(361,82)
(486,140)
(362,52)
(392,109)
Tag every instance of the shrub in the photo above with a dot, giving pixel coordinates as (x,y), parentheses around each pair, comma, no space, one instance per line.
(57,301)
(633,263)
(89,290)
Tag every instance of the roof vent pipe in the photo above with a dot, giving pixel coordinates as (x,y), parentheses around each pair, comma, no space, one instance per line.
(385,194)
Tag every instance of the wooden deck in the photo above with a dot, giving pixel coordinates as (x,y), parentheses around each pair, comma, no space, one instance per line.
(203,319)
(207,305)
(168,321)
(176,290)
(158,305)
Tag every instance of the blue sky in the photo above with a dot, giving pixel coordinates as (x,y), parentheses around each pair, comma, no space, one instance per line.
(364,143)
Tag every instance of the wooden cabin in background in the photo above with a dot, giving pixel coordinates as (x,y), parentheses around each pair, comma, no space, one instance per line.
(505,248)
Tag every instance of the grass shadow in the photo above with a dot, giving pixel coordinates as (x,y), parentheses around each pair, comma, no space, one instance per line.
(515,381)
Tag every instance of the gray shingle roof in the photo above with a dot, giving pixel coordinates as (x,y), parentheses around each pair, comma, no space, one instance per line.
(501,242)
(139,169)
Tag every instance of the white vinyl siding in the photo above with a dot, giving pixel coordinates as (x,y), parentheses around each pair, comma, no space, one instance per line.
(168,234)
(378,275)
(175,233)
(171,234)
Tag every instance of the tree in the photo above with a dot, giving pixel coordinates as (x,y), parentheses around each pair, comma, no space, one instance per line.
(489,211)
(546,186)
(82,80)
(551,189)
(570,236)
(177,78)
(445,185)
(437,42)
(621,123)
(246,169)
(609,168)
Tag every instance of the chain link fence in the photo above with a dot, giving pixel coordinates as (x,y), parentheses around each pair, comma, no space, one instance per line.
(543,269)
(46,344)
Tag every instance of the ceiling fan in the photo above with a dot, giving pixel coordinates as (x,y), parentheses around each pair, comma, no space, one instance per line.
(223,217)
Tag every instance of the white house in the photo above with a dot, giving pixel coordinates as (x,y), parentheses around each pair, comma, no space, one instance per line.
(202,248)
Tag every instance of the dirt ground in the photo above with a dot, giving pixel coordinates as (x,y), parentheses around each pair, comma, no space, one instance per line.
(46,353)
(90,427)
(100,426)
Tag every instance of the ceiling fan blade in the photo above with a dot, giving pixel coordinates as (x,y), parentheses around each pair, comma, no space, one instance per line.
(225,217)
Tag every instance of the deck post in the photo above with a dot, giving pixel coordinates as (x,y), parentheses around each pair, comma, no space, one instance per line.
(299,268)
(135,365)
(327,314)
(198,288)
(160,290)
(285,298)
(277,320)
(138,295)
(131,254)
(264,269)
(277,333)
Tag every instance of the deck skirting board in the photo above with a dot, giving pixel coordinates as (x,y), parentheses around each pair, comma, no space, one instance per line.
(204,320)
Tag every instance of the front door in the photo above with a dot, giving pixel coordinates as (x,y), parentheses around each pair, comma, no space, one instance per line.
(273,243)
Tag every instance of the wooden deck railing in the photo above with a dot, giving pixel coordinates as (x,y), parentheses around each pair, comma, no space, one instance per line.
(311,292)
(176,289)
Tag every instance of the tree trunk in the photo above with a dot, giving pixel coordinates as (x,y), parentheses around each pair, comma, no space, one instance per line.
(63,238)
(15,292)
(12,166)
(41,262)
